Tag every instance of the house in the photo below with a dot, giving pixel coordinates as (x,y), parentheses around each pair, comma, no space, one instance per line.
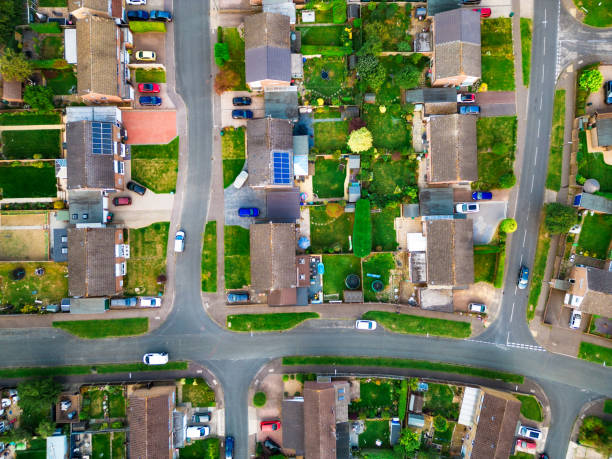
(267,50)
(95,156)
(106,8)
(102,60)
(593,202)
(57,447)
(293,425)
(453,156)
(273,262)
(450,253)
(270,153)
(436,203)
(88,208)
(96,261)
(590,290)
(492,417)
(12,91)
(150,417)
(282,103)
(283,206)
(456,58)
(599,136)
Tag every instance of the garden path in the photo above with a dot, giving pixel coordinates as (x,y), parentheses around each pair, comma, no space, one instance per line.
(33,127)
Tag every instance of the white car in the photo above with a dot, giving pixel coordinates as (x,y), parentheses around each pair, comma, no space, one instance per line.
(150,301)
(529,432)
(148,56)
(241,179)
(467,207)
(179,241)
(575,229)
(575,320)
(155,358)
(198,431)
(365,325)
(478,308)
(136,2)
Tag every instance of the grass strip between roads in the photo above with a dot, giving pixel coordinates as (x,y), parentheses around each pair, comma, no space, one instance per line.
(417,325)
(209,258)
(268,322)
(29,372)
(553,178)
(526,29)
(404,363)
(92,329)
(537,273)
(595,353)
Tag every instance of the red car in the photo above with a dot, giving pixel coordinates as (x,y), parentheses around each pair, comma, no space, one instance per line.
(525,444)
(270,425)
(147,88)
(484,12)
(122,201)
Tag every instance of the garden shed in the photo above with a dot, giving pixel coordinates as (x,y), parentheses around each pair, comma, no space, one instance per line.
(12,91)
(70,46)
(416,420)
(353,296)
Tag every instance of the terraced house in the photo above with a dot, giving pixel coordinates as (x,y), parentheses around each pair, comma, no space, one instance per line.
(108,8)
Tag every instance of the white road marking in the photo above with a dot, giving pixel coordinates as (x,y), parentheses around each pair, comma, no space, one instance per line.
(544,21)
(529,347)
(515,294)
(542,74)
(511,314)
(544,46)
(524,237)
(532,179)
(541,102)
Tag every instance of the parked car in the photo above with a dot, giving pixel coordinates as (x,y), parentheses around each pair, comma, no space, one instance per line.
(469,109)
(466,98)
(482,195)
(272,446)
(72,414)
(237,297)
(124,302)
(179,241)
(241,179)
(267,426)
(148,88)
(543,456)
(526,444)
(155,358)
(484,12)
(136,188)
(365,325)
(136,2)
(467,207)
(122,201)
(470,2)
(242,114)
(152,101)
(608,92)
(575,320)
(148,56)
(478,308)
(248,212)
(200,417)
(198,431)
(523,278)
(164,16)
(575,229)
(150,301)
(137,15)
(240,101)
(64,405)
(529,432)
(229,447)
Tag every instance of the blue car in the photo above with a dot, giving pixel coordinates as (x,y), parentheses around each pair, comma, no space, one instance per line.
(242,114)
(161,16)
(229,447)
(469,109)
(248,212)
(150,100)
(523,278)
(137,15)
(237,297)
(482,195)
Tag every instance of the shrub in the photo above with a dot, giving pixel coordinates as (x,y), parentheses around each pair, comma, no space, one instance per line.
(360,140)
(440,424)
(226,80)
(14,66)
(285,378)
(259,399)
(38,97)
(221,53)
(559,218)
(357,22)
(57,64)
(507,180)
(362,229)
(591,80)
(508,225)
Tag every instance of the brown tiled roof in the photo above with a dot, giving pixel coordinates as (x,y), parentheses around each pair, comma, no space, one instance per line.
(95,5)
(273,260)
(86,170)
(453,59)
(450,252)
(319,420)
(265,136)
(496,427)
(150,423)
(97,56)
(12,91)
(453,156)
(598,298)
(91,262)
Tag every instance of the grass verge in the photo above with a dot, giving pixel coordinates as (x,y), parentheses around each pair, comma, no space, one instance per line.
(237,250)
(150,75)
(95,329)
(29,118)
(417,325)
(40,372)
(595,353)
(147,26)
(530,407)
(537,272)
(526,31)
(268,322)
(156,166)
(553,178)
(209,258)
(597,13)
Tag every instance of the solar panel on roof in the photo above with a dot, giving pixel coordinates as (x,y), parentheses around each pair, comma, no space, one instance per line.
(101,138)
(281,168)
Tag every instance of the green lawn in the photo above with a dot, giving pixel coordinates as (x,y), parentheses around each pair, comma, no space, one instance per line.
(233,153)
(329,233)
(157,75)
(591,165)
(92,404)
(537,271)
(267,322)
(37,450)
(445,436)
(94,329)
(209,258)
(597,14)
(321,35)
(485,263)
(521,455)
(439,402)
(201,449)
(390,130)
(497,54)
(156,166)
(53,3)
(595,236)
(235,43)
(27,118)
(391,177)
(147,26)
(381,264)
(595,353)
(116,402)
(496,148)
(384,237)
(118,445)
(553,178)
(526,32)
(101,446)
(375,430)
(530,407)
(40,144)
(39,372)
(330,135)
(61,82)
(336,70)
(337,267)
(608,406)
(52,47)
(328,181)
(378,398)
(237,257)
(147,259)
(50,288)
(418,325)
(197,392)
(36,180)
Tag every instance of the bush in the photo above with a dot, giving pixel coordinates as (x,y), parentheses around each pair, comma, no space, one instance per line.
(285,378)
(38,97)
(339,12)
(591,80)
(440,424)
(221,53)
(559,218)
(57,64)
(507,180)
(259,399)
(508,225)
(46,27)
(362,229)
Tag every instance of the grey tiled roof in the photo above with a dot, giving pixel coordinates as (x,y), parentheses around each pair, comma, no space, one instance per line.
(598,298)
(453,155)
(457,58)
(457,43)
(273,264)
(268,63)
(595,202)
(267,47)
(86,170)
(436,201)
(450,252)
(461,24)
(496,427)
(265,136)
(293,425)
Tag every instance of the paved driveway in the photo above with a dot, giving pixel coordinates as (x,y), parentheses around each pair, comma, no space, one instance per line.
(243,197)
(597,99)
(499,8)
(487,219)
(149,126)
(257,107)
(152,42)
(496,103)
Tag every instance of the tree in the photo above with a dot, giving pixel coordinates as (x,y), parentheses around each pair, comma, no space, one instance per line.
(408,77)
(225,80)
(508,225)
(366,64)
(362,229)
(38,97)
(259,399)
(221,53)
(371,46)
(591,80)
(46,428)
(360,140)
(597,433)
(413,383)
(559,218)
(35,400)
(408,443)
(440,424)
(507,180)
(14,66)
(376,78)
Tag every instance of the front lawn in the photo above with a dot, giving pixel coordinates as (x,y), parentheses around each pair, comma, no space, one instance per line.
(526,32)
(267,322)
(530,407)
(232,153)
(39,144)
(96,329)
(321,35)
(595,236)
(201,449)
(50,288)
(497,54)
(101,446)
(27,118)
(392,177)
(36,180)
(156,166)
(375,430)
(147,26)
(330,135)
(197,392)
(439,402)
(553,178)
(328,181)
(595,353)
(485,263)
(390,130)
(235,43)
(378,398)
(496,148)
(418,325)
(325,76)
(597,13)
(592,165)
(330,233)
(147,258)
(61,82)
(384,238)
(209,258)
(237,245)
(379,264)
(337,267)
(157,75)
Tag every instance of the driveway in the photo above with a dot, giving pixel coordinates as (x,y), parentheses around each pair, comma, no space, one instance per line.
(496,103)
(152,42)
(597,99)
(243,197)
(257,107)
(480,292)
(487,219)
(149,126)
(499,8)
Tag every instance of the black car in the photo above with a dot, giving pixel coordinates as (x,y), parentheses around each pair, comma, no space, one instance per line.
(161,16)
(470,2)
(272,446)
(137,15)
(136,188)
(240,101)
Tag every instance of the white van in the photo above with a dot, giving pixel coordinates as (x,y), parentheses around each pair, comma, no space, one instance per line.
(241,179)
(198,431)
(575,320)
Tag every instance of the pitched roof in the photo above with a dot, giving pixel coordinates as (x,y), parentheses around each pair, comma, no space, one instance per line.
(265,136)
(86,170)
(457,58)
(267,47)
(595,202)
(319,420)
(97,56)
(273,259)
(431,95)
(149,420)
(452,144)
(91,262)
(436,201)
(450,252)
(461,24)
(598,298)
(496,427)
(293,425)
(101,6)
(457,43)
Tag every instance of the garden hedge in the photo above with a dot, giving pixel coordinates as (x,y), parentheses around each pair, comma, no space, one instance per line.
(362,229)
